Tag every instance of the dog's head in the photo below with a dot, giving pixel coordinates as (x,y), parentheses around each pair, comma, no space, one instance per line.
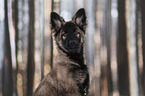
(69,36)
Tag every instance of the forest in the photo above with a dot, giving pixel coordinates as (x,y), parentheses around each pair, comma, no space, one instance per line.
(114,44)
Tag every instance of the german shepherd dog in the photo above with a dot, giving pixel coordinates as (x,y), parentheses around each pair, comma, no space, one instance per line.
(69,76)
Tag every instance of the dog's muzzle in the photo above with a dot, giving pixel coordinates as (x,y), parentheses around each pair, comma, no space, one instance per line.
(72,45)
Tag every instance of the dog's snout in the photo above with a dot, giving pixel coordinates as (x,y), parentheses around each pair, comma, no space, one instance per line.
(72,42)
(72,45)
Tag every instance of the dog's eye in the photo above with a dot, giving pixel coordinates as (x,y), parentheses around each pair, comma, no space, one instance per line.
(77,34)
(64,36)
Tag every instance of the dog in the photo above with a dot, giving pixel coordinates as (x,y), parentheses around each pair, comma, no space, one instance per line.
(69,75)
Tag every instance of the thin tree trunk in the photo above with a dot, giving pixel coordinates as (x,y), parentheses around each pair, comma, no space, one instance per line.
(7,81)
(43,40)
(2,38)
(143,38)
(12,42)
(15,5)
(31,63)
(139,46)
(105,50)
(23,27)
(90,9)
(97,45)
(108,25)
(55,6)
(51,39)
(123,75)
(131,42)
(113,47)
(89,52)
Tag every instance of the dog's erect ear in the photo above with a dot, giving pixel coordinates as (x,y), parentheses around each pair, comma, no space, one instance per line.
(56,21)
(80,18)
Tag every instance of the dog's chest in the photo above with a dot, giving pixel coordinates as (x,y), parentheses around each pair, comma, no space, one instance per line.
(78,73)
(80,76)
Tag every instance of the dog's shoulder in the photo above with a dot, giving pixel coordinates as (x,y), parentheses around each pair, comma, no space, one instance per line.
(58,82)
(47,86)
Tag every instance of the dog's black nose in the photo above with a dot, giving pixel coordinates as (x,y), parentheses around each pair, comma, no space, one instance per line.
(72,42)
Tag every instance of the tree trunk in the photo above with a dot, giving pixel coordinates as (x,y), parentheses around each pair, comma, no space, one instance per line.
(30,62)
(7,81)
(11,20)
(107,29)
(123,75)
(15,5)
(106,82)
(2,38)
(139,46)
(42,40)
(131,42)
(113,47)
(89,52)
(23,27)
(51,39)
(90,9)
(143,37)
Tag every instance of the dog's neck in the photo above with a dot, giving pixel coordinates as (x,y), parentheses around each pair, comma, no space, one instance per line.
(74,58)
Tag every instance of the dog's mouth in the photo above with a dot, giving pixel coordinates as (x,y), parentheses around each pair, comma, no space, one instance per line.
(72,48)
